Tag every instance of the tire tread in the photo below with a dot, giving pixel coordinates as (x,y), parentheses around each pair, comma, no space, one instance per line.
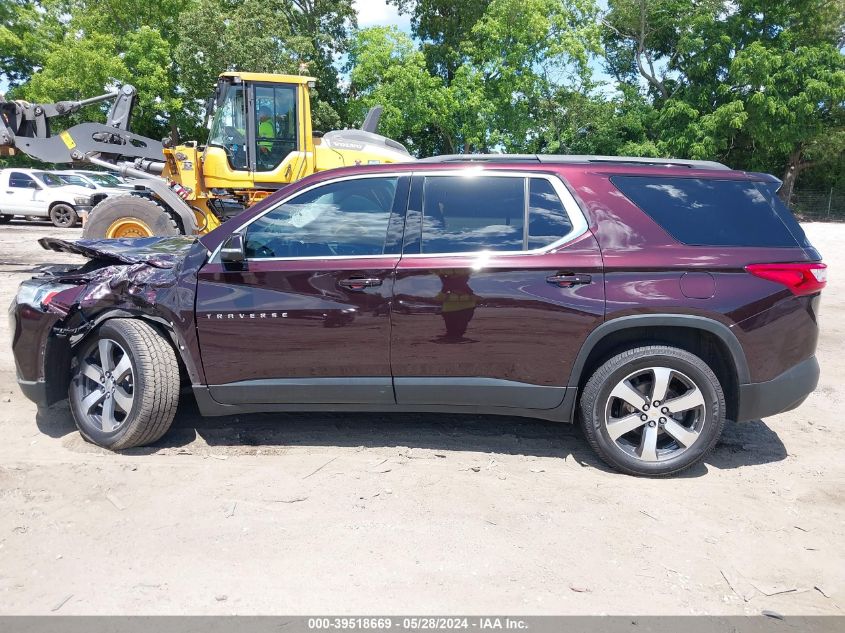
(158,372)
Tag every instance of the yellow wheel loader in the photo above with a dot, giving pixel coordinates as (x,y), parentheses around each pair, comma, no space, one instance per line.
(260,139)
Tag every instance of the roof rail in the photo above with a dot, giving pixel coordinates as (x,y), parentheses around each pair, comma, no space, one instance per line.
(573,158)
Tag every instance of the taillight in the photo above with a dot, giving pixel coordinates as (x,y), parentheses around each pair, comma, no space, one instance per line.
(801,279)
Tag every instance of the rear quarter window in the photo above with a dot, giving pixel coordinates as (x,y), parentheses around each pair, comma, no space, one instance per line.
(711,212)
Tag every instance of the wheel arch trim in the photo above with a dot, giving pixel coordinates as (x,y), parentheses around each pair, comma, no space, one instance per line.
(691,322)
(179,347)
(56,203)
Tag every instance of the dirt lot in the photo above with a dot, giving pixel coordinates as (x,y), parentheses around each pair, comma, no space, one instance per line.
(316,513)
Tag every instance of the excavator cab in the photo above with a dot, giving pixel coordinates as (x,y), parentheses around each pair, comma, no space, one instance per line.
(260,135)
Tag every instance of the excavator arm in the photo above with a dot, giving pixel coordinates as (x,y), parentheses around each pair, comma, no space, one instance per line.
(26,127)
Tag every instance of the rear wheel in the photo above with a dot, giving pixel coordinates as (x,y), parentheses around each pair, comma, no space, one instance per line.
(63,215)
(126,217)
(5,219)
(124,385)
(653,410)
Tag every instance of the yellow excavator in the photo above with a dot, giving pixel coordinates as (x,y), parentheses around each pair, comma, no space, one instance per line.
(260,139)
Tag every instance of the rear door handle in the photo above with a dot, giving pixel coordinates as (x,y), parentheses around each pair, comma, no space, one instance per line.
(567,280)
(359,283)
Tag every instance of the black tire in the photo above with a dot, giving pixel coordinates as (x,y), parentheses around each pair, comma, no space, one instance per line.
(699,427)
(5,219)
(114,209)
(63,215)
(153,385)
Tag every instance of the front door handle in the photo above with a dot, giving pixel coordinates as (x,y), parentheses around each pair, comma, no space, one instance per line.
(567,280)
(359,283)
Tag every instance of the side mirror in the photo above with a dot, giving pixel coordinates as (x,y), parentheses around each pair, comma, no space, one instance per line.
(232,254)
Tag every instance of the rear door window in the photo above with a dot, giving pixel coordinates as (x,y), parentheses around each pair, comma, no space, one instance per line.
(710,212)
(473,213)
(547,218)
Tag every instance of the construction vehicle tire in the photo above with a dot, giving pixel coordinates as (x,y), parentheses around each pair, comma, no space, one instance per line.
(127,217)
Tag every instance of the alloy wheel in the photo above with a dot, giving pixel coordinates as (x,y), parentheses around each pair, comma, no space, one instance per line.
(63,216)
(104,387)
(655,413)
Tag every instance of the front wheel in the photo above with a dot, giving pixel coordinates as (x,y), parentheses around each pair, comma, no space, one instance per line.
(63,215)
(653,410)
(124,385)
(5,218)
(127,217)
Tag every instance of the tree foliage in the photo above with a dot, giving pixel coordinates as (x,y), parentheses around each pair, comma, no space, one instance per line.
(755,83)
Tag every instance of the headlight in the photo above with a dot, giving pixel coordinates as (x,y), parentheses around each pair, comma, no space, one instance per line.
(83,201)
(38,293)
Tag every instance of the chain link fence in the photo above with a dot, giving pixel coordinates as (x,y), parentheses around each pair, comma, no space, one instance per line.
(819,206)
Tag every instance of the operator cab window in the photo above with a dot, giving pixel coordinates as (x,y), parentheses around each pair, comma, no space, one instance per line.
(228,130)
(346,218)
(21,181)
(275,125)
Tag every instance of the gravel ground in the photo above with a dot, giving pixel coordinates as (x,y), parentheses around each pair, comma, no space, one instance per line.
(316,513)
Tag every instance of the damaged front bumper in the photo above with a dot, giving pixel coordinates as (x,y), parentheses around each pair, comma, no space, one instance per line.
(34,341)
(150,278)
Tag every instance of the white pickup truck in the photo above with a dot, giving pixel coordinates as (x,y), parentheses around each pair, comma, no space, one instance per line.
(36,193)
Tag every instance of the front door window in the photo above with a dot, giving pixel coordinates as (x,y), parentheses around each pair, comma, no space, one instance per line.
(347,218)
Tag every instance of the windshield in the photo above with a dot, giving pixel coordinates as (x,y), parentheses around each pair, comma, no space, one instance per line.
(228,130)
(72,179)
(106,180)
(51,180)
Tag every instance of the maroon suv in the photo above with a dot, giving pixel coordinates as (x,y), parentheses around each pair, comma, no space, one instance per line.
(649,299)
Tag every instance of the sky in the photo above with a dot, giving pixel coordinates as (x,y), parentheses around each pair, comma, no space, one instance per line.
(379,13)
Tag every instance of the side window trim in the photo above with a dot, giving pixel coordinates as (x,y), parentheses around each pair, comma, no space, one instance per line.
(412,240)
(526,206)
(398,216)
(570,205)
(214,258)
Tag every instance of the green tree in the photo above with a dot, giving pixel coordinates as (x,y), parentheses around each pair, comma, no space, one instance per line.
(498,60)
(386,69)
(72,49)
(755,83)
(324,28)
(27,28)
(171,50)
(516,52)
(442,26)
(579,123)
